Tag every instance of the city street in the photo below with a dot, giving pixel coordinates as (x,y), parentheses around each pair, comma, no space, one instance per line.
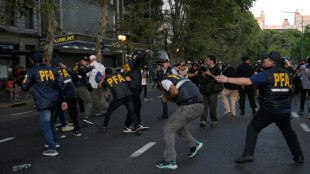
(115,152)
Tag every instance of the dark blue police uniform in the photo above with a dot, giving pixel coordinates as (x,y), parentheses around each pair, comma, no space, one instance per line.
(275,107)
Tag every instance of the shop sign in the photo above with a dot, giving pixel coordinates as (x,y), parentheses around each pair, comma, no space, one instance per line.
(60,40)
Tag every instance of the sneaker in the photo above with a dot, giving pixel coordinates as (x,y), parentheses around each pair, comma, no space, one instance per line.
(104,129)
(77,133)
(50,152)
(300,113)
(227,114)
(162,116)
(88,122)
(213,123)
(57,145)
(141,127)
(128,130)
(203,123)
(98,114)
(67,128)
(244,158)
(145,99)
(166,165)
(195,149)
(299,159)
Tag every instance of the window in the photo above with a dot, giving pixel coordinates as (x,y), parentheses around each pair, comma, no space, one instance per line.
(10,11)
(28,14)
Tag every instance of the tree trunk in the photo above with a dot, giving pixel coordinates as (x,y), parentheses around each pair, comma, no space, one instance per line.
(51,33)
(101,30)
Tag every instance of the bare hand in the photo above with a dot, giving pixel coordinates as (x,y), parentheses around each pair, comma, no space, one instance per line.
(62,65)
(164,99)
(221,78)
(64,106)
(99,86)
(148,51)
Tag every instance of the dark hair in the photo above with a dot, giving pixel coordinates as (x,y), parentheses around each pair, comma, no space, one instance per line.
(211,57)
(37,57)
(308,60)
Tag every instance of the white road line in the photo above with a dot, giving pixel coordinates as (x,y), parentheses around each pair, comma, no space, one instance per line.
(294,114)
(305,127)
(142,149)
(161,96)
(21,113)
(7,139)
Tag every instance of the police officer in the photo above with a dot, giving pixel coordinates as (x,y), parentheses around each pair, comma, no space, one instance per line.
(168,70)
(186,95)
(133,70)
(48,93)
(275,106)
(82,85)
(122,95)
(69,92)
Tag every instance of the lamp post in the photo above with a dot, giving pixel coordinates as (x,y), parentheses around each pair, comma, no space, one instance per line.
(122,38)
(302,33)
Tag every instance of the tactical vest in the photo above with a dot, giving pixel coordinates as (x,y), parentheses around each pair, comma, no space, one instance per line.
(169,71)
(69,86)
(188,91)
(118,85)
(276,92)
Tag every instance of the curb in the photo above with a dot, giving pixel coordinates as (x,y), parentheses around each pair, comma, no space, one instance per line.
(12,105)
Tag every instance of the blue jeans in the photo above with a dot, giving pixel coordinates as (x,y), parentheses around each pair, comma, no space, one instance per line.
(47,124)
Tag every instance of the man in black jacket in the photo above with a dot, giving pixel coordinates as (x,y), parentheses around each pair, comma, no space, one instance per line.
(245,70)
(230,89)
(69,92)
(122,95)
(48,92)
(133,70)
(80,82)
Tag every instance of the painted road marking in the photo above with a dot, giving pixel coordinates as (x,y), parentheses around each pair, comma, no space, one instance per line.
(294,114)
(142,149)
(161,96)
(7,139)
(305,127)
(21,113)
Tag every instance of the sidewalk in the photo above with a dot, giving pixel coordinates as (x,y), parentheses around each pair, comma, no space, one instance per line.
(6,102)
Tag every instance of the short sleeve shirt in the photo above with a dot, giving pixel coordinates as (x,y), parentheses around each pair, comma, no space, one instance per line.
(259,79)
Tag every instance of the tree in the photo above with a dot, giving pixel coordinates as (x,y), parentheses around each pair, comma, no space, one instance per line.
(101,29)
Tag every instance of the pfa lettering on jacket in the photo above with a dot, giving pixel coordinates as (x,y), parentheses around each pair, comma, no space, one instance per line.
(281,79)
(115,79)
(46,75)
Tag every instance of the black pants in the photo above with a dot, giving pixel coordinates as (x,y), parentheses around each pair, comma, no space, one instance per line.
(165,106)
(128,102)
(246,90)
(73,112)
(136,105)
(145,90)
(303,98)
(265,117)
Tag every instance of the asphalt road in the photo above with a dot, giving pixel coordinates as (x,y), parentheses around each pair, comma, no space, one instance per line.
(21,142)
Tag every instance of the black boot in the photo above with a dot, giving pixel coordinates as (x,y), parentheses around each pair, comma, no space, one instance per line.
(242,112)
(253,111)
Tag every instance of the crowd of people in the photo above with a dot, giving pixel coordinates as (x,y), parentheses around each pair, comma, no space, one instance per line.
(194,87)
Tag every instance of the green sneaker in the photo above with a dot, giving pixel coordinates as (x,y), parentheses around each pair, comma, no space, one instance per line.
(166,165)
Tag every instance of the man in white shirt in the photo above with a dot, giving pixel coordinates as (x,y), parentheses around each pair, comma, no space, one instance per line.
(96,94)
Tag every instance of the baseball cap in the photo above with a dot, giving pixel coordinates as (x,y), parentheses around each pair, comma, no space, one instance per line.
(136,52)
(92,57)
(274,56)
(189,62)
(85,58)
(56,61)
(164,60)
(108,71)
(259,61)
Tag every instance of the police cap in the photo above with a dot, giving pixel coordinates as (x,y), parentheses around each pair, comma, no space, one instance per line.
(108,71)
(274,56)
(85,58)
(37,57)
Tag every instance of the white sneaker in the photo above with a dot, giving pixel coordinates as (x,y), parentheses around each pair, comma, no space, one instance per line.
(67,128)
(145,99)
(50,152)
(141,127)
(57,145)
